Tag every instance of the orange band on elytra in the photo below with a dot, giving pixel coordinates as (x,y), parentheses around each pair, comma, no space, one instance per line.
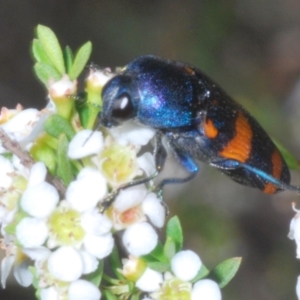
(277,166)
(239,148)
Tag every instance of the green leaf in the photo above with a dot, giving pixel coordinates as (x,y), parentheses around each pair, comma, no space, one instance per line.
(203,272)
(108,295)
(225,271)
(39,53)
(44,72)
(169,248)
(289,158)
(136,296)
(64,166)
(55,125)
(115,263)
(51,46)
(159,266)
(174,231)
(156,255)
(45,154)
(96,276)
(69,57)
(80,60)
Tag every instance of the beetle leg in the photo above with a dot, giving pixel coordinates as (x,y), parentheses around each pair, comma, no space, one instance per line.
(229,164)
(187,162)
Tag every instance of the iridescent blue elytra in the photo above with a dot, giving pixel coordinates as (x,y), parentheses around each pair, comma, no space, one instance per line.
(199,121)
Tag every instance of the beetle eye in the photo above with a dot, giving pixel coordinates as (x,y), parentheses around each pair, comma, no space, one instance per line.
(123,108)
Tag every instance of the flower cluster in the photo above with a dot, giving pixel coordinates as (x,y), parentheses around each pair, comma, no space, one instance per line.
(68,192)
(173,284)
(66,235)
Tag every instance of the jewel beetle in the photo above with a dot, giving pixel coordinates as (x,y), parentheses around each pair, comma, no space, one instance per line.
(199,121)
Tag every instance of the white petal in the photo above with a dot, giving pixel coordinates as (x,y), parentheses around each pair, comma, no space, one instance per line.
(95,223)
(298,288)
(32,232)
(6,265)
(37,175)
(22,273)
(49,294)
(146,163)
(130,197)
(150,281)
(82,289)
(132,133)
(6,168)
(153,208)
(140,239)
(65,264)
(40,200)
(294,233)
(90,263)
(22,123)
(84,193)
(185,265)
(85,143)
(206,289)
(38,254)
(99,246)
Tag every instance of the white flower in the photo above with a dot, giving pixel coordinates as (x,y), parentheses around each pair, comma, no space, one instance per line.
(298,288)
(154,210)
(133,268)
(129,198)
(37,174)
(136,204)
(22,274)
(6,114)
(66,264)
(50,293)
(294,233)
(6,170)
(140,239)
(130,211)
(99,246)
(31,232)
(85,143)
(132,133)
(185,265)
(82,289)
(173,288)
(40,200)
(15,259)
(98,78)
(150,281)
(21,125)
(206,289)
(84,193)
(63,87)
(147,164)
(90,262)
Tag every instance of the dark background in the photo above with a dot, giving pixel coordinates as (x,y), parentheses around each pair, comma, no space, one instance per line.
(252,49)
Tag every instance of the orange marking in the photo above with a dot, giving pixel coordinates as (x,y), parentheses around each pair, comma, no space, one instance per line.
(239,148)
(276,172)
(209,129)
(189,70)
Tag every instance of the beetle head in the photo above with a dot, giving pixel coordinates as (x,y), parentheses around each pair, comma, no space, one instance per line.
(117,96)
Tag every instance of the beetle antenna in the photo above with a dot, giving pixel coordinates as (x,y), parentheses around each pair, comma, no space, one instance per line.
(99,125)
